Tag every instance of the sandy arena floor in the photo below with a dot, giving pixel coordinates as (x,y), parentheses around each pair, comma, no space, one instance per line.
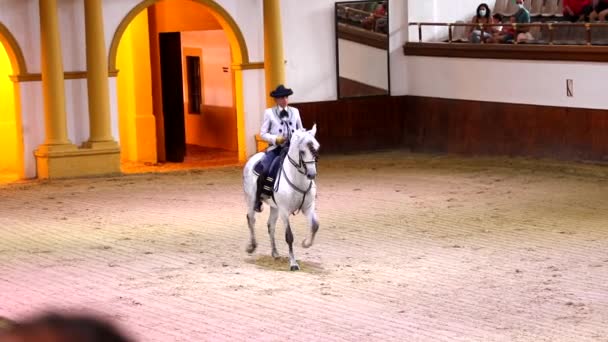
(411,248)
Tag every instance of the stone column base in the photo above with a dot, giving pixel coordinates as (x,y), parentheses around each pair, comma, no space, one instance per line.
(69,161)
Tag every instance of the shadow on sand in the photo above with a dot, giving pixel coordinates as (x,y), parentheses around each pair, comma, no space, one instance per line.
(282,264)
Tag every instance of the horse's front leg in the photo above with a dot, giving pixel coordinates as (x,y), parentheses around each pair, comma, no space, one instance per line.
(293,264)
(313,223)
(272,223)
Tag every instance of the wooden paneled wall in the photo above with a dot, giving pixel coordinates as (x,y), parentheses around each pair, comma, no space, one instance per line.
(356,124)
(490,128)
(458,126)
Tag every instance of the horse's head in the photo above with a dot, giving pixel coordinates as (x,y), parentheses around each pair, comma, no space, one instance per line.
(308,147)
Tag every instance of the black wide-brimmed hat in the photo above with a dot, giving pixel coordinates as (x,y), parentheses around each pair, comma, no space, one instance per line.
(281,91)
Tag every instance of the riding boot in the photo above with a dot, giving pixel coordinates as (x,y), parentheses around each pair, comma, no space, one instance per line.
(258,193)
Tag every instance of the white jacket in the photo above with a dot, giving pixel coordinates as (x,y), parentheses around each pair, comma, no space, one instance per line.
(274,126)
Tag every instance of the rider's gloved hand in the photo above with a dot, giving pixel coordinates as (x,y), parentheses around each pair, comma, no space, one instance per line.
(280,140)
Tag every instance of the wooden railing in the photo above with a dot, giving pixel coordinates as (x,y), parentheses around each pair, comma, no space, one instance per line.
(551,27)
(362,36)
(355,10)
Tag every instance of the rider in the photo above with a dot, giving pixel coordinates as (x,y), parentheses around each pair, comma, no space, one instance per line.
(279,123)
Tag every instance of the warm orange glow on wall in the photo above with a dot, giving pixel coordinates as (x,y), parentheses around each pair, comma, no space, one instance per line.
(11,157)
(203,36)
(217,125)
(136,119)
(184,15)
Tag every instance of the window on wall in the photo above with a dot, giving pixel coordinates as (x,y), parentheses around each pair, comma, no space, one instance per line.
(195,96)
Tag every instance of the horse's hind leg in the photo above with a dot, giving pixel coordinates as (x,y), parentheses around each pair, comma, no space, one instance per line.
(293,264)
(313,222)
(272,223)
(251,223)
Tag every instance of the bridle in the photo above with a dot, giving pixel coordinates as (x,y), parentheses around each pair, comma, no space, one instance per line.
(301,164)
(301,167)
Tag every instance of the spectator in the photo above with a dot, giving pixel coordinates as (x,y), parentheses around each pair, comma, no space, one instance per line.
(54,327)
(522,16)
(600,10)
(483,15)
(577,10)
(379,13)
(503,31)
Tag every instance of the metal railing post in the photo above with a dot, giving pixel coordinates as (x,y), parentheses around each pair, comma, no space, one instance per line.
(450,33)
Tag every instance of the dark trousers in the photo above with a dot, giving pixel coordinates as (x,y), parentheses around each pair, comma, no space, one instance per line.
(262,170)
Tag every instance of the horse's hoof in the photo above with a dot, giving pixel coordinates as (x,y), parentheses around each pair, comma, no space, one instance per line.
(275,255)
(306,245)
(251,248)
(294,268)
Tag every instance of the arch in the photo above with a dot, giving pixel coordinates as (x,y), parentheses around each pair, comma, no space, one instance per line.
(13,62)
(238,46)
(235,36)
(14,51)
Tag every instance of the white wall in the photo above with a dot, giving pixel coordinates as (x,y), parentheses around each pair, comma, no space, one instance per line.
(528,82)
(77,110)
(71,24)
(248,16)
(398,34)
(113,92)
(310,49)
(255,102)
(32,107)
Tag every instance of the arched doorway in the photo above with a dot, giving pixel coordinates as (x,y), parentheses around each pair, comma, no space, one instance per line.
(12,64)
(200,39)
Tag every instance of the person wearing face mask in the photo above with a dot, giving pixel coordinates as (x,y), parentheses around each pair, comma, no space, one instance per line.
(483,15)
(280,122)
(522,16)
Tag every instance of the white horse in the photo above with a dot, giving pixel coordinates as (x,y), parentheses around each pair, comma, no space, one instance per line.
(294,190)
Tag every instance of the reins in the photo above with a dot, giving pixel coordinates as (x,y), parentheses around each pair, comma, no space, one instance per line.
(301,168)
